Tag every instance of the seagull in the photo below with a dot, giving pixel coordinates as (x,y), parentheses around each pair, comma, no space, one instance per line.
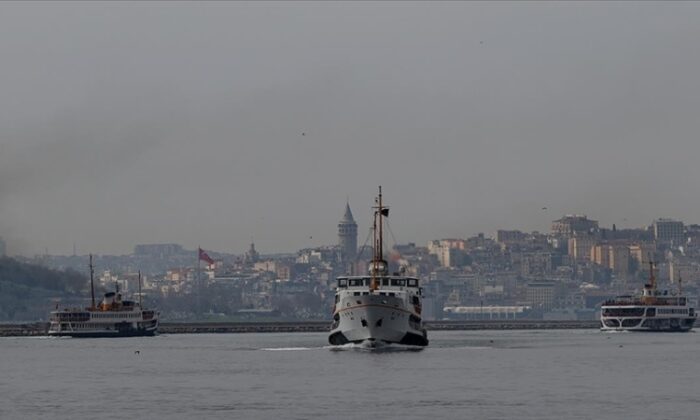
(544,208)
(137,352)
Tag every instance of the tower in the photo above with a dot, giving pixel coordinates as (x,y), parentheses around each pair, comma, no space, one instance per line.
(347,236)
(252,256)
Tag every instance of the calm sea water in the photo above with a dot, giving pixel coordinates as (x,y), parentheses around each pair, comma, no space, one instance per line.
(462,375)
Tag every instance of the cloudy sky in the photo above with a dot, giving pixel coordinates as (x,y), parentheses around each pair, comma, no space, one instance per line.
(213,123)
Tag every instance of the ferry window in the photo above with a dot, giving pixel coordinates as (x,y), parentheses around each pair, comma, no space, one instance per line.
(356,282)
(342,283)
(412,283)
(398,282)
(385,282)
(392,294)
(356,294)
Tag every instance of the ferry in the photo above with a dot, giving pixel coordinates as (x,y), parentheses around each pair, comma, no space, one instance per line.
(113,317)
(654,310)
(379,308)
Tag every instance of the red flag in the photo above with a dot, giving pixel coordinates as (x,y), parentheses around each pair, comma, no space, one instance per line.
(205,257)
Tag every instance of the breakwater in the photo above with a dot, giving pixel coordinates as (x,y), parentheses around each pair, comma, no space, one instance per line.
(41,328)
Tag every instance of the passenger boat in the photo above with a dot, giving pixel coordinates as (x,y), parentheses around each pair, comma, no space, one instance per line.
(113,317)
(378,308)
(654,310)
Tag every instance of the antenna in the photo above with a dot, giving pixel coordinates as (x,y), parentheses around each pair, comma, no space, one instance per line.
(92,284)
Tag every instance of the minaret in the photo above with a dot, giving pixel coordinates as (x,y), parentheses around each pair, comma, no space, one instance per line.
(347,236)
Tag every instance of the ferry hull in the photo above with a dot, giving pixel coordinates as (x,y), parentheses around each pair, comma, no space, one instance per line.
(648,324)
(103,334)
(371,322)
(114,330)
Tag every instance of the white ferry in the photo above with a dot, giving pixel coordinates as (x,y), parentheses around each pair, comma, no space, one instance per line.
(654,310)
(379,308)
(113,317)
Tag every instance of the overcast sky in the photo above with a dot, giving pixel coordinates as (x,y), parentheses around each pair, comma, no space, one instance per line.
(211,124)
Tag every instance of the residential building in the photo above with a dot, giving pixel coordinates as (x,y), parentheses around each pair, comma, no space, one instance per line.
(158,250)
(669,231)
(572,224)
(540,295)
(580,247)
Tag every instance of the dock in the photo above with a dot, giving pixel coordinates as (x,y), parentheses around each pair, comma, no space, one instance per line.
(41,328)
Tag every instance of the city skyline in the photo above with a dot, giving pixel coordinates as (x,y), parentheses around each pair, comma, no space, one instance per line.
(344,238)
(209,124)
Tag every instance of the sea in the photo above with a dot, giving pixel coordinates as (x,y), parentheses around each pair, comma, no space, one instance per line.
(534,374)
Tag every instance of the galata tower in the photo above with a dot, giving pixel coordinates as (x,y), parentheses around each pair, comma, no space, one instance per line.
(347,236)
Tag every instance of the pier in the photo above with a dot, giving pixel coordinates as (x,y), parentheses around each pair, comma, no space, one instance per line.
(41,328)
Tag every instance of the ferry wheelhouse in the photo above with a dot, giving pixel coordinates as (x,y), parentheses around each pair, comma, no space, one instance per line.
(113,317)
(654,310)
(378,308)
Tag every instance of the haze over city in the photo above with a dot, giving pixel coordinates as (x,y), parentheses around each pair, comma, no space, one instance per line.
(211,124)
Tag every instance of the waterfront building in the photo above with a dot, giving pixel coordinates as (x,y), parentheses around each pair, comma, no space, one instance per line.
(3,248)
(484,311)
(540,295)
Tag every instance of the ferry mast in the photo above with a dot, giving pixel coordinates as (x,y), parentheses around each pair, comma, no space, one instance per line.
(378,264)
(92,283)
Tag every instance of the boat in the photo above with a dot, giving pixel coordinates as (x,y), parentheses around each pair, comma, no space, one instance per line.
(379,308)
(113,317)
(653,310)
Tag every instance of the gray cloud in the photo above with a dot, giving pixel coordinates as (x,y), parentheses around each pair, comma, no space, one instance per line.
(131,123)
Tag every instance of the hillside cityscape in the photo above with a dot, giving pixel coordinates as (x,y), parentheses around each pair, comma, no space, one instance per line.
(563,274)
